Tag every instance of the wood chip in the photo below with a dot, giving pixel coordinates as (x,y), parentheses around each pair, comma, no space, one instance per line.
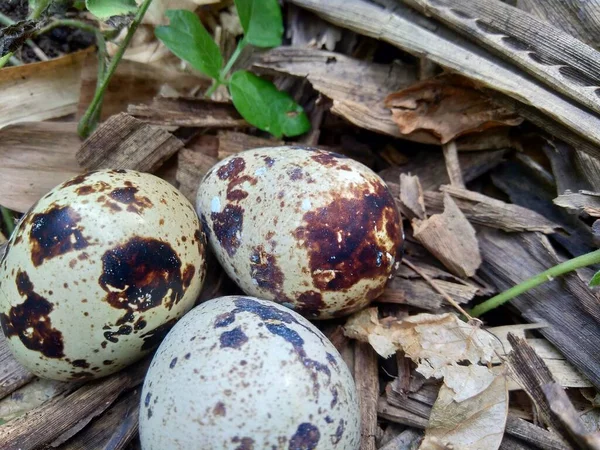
(123,142)
(34,158)
(566,304)
(411,197)
(419,293)
(12,374)
(307,30)
(367,385)
(483,210)
(41,91)
(44,424)
(133,83)
(232,142)
(114,429)
(580,202)
(406,440)
(450,238)
(191,167)
(188,112)
(452,164)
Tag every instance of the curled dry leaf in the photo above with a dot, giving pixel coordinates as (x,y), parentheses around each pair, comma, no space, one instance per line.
(473,424)
(436,342)
(447,106)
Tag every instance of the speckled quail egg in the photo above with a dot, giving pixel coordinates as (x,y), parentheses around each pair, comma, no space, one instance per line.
(97,272)
(308,228)
(242,373)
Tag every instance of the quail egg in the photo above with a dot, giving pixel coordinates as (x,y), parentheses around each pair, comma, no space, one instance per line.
(97,272)
(242,373)
(313,230)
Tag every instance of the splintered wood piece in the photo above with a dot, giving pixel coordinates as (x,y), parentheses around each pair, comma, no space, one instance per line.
(431,169)
(55,417)
(12,374)
(123,142)
(191,167)
(41,91)
(188,112)
(232,142)
(34,158)
(450,238)
(582,201)
(532,374)
(367,384)
(411,197)
(452,164)
(307,30)
(566,304)
(405,440)
(483,210)
(114,429)
(132,83)
(416,34)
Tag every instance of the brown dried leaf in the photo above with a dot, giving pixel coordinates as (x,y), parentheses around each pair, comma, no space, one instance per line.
(411,196)
(437,343)
(473,424)
(448,106)
(451,239)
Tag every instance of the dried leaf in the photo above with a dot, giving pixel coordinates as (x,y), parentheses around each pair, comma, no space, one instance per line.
(437,343)
(448,106)
(473,424)
(411,196)
(451,239)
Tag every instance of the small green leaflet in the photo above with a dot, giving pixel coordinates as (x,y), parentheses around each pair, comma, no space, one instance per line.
(262,22)
(595,281)
(187,38)
(104,9)
(265,107)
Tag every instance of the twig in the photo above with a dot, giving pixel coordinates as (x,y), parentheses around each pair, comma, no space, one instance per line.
(452,164)
(93,111)
(9,221)
(437,289)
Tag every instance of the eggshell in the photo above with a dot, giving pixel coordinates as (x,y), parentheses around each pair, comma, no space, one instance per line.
(310,229)
(97,272)
(242,373)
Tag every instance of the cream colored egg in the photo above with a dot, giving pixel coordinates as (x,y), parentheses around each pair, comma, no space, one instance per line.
(242,373)
(97,272)
(310,229)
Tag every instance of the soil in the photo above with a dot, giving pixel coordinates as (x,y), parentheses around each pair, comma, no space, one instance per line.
(58,42)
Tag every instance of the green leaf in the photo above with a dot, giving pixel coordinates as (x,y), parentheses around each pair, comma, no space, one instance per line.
(595,281)
(265,107)
(104,9)
(261,21)
(187,38)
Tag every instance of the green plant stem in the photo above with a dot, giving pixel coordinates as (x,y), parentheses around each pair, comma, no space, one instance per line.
(87,121)
(560,269)
(8,219)
(39,9)
(68,23)
(10,57)
(223,74)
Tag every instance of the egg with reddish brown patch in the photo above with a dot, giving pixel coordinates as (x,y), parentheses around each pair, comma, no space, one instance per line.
(97,272)
(242,373)
(313,230)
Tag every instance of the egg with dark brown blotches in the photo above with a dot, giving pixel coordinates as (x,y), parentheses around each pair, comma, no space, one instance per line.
(313,230)
(242,373)
(97,272)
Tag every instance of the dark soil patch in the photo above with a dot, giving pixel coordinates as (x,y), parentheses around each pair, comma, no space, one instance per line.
(58,42)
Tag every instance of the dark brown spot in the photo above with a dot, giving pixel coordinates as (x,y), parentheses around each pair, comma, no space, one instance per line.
(227,226)
(310,303)
(161,222)
(219,409)
(264,269)
(139,324)
(269,235)
(108,362)
(345,167)
(173,363)
(188,274)
(306,437)
(339,432)
(54,233)
(128,196)
(113,206)
(232,169)
(154,337)
(31,322)
(295,174)
(78,179)
(78,376)
(119,171)
(269,161)
(326,158)
(233,339)
(224,319)
(342,240)
(141,274)
(245,443)
(112,336)
(81,363)
(85,190)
